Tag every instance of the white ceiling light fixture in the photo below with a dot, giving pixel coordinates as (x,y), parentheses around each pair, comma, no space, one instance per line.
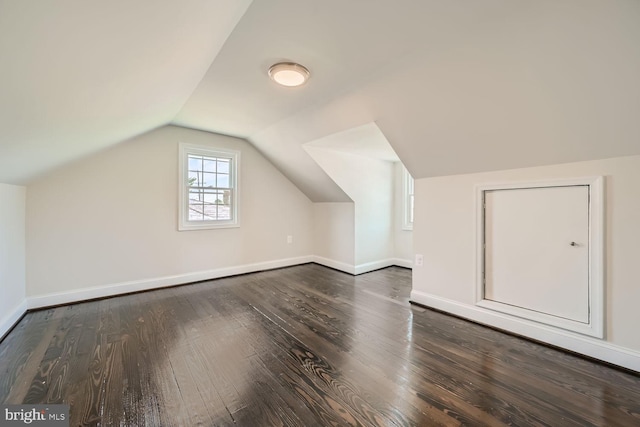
(288,74)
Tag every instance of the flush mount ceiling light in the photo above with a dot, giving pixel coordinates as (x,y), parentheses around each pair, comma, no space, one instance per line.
(288,74)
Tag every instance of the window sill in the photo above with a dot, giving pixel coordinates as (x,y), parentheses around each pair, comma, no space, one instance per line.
(207,226)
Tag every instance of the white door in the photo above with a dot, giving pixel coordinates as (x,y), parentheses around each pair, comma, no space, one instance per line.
(537,250)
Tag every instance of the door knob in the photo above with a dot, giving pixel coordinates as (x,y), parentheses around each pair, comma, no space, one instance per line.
(574,244)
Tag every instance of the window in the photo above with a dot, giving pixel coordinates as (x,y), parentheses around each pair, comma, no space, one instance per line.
(407,199)
(208,188)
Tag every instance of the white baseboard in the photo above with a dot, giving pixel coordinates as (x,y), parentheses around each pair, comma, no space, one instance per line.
(10,319)
(406,263)
(362,268)
(375,265)
(77,295)
(338,265)
(591,347)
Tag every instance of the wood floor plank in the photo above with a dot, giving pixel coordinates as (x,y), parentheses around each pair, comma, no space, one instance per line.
(23,359)
(292,328)
(272,372)
(300,346)
(288,321)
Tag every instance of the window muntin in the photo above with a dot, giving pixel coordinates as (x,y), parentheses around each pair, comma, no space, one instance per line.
(209,192)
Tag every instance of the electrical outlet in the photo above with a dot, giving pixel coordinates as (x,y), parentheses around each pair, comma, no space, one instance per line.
(419,260)
(289,239)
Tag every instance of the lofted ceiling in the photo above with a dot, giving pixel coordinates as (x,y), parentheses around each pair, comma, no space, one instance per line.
(77,76)
(454,86)
(366,140)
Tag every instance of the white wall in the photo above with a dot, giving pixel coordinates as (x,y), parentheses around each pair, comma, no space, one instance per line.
(373,193)
(112,219)
(369,183)
(444,232)
(12,255)
(403,239)
(335,234)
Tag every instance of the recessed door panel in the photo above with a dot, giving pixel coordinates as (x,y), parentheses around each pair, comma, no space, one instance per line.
(537,249)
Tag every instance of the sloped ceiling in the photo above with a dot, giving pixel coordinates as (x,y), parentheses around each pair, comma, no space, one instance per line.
(455,86)
(79,75)
(366,140)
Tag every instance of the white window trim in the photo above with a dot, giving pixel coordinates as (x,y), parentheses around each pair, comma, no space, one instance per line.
(408,189)
(184,150)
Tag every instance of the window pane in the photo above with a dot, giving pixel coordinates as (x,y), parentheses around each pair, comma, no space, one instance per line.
(195,194)
(210,198)
(209,165)
(209,212)
(193,179)
(223,165)
(209,205)
(411,209)
(223,180)
(209,179)
(224,212)
(195,210)
(195,163)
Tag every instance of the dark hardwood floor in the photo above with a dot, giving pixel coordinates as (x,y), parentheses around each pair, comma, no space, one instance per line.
(301,346)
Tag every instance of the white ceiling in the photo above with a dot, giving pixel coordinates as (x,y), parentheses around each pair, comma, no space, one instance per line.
(79,75)
(341,42)
(366,140)
(455,86)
